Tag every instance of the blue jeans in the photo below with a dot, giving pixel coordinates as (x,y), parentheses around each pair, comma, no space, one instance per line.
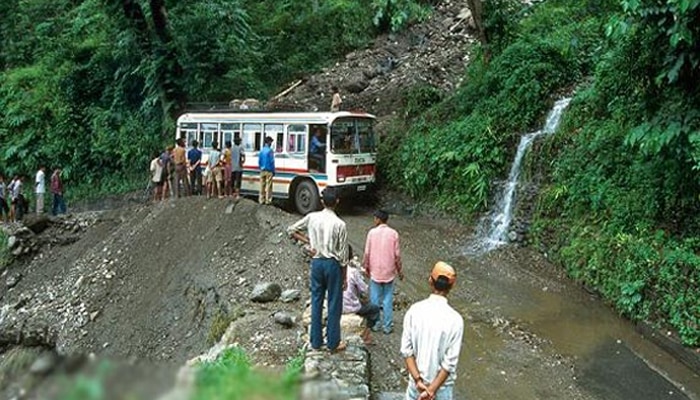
(326,276)
(58,206)
(382,294)
(370,312)
(444,393)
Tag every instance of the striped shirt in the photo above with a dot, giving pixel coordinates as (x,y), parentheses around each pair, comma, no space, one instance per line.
(327,234)
(356,288)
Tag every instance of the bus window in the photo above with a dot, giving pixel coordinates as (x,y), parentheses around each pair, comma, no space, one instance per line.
(343,137)
(352,135)
(229,132)
(252,137)
(365,137)
(209,134)
(188,132)
(276,132)
(296,141)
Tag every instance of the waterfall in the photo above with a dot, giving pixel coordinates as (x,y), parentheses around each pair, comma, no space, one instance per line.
(493,229)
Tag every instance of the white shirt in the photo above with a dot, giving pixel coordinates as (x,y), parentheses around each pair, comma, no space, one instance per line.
(40,183)
(327,234)
(432,333)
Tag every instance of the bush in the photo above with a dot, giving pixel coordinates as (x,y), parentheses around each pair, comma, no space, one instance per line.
(231,377)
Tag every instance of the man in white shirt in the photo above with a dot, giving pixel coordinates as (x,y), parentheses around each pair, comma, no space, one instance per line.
(40,189)
(431,340)
(328,238)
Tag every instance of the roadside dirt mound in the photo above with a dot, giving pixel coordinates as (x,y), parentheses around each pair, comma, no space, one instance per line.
(435,53)
(156,283)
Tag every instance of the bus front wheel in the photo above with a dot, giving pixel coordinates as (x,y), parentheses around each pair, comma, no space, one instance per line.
(306,197)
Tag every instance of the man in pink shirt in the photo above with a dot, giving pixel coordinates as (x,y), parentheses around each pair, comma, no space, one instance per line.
(382,262)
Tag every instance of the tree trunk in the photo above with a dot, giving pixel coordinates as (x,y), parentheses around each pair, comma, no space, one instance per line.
(477,10)
(174,94)
(160,48)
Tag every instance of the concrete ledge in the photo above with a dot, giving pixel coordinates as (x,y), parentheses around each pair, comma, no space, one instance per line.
(689,357)
(340,376)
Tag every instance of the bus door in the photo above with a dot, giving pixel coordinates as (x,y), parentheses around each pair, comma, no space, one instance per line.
(318,148)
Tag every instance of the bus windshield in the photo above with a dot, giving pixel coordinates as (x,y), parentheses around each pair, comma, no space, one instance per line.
(352,136)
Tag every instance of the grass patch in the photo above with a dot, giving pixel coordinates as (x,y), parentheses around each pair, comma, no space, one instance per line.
(231,377)
(221,321)
(5,256)
(15,361)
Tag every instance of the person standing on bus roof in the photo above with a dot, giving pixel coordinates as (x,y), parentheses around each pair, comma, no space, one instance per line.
(194,158)
(215,168)
(336,101)
(237,159)
(180,160)
(266,162)
(228,168)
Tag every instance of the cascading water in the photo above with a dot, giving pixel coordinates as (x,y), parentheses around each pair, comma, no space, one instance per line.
(493,229)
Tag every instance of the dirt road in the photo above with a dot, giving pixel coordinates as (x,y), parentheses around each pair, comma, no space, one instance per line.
(145,287)
(529,332)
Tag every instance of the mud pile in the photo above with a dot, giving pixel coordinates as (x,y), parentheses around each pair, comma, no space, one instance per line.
(152,284)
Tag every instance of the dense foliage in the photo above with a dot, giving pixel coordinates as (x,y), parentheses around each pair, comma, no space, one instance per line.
(623,202)
(457,161)
(94,86)
(620,204)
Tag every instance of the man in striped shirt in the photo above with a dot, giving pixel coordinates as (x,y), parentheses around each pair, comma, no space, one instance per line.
(328,237)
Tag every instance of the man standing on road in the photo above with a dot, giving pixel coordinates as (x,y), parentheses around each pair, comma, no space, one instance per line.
(382,262)
(328,237)
(58,205)
(431,340)
(181,176)
(4,209)
(237,159)
(266,162)
(216,175)
(40,189)
(194,159)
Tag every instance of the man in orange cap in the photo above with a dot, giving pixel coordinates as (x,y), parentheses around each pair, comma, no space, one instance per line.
(432,338)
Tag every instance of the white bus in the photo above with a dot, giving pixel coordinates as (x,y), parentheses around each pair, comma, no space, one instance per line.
(347,161)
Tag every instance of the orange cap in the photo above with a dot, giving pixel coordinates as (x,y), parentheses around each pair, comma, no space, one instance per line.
(442,268)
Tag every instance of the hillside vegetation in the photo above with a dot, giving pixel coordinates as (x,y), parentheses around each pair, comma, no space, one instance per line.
(619,205)
(95,85)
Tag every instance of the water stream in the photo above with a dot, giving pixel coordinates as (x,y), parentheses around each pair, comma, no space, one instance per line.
(493,229)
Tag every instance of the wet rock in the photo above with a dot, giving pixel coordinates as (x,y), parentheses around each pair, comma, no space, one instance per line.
(37,223)
(12,242)
(13,280)
(265,292)
(390,396)
(290,295)
(357,83)
(44,364)
(285,319)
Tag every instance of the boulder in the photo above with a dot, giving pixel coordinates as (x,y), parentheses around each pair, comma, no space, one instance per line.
(265,292)
(290,295)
